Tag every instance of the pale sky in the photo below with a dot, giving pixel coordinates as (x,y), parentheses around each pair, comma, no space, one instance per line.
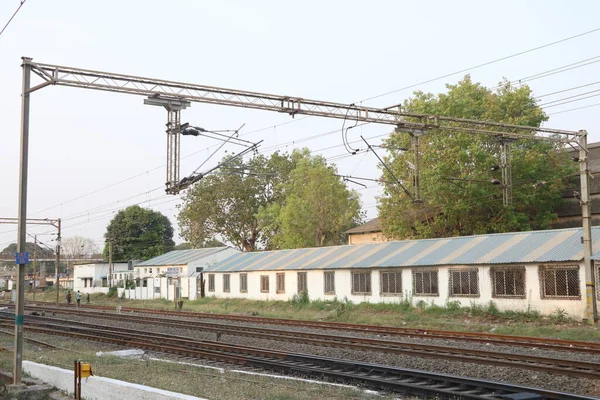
(84,141)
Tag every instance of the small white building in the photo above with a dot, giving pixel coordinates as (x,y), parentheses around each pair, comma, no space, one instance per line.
(175,275)
(538,270)
(93,277)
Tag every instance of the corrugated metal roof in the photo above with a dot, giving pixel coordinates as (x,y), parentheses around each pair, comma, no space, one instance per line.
(181,257)
(503,248)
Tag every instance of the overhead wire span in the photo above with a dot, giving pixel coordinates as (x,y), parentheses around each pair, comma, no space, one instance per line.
(11,18)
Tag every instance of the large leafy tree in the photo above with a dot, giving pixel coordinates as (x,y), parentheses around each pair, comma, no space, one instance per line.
(456,168)
(225,204)
(138,233)
(317,207)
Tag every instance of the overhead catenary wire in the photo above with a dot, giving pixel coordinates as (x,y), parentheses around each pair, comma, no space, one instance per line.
(11,18)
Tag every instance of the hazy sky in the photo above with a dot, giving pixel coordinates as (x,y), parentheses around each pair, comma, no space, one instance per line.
(84,141)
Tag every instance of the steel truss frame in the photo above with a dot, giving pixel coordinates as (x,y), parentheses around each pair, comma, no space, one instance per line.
(188,92)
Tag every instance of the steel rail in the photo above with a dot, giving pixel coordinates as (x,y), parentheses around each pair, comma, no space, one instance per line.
(543,364)
(371,375)
(496,339)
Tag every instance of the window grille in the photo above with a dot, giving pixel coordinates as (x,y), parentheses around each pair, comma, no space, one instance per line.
(560,282)
(464,282)
(329,282)
(302,282)
(211,282)
(361,282)
(226,282)
(391,282)
(425,283)
(280,283)
(264,283)
(243,283)
(145,283)
(508,281)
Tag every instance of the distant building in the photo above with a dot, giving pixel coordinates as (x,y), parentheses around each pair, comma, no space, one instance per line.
(94,277)
(369,232)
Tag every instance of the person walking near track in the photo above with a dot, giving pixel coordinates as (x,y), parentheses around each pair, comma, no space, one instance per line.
(78,298)
(68,297)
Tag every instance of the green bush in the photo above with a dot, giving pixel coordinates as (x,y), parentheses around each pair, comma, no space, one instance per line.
(112,292)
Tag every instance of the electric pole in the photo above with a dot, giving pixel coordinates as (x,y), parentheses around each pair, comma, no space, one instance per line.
(109,264)
(58,264)
(34,262)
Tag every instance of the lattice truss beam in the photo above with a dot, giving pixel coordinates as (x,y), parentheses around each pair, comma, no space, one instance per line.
(106,81)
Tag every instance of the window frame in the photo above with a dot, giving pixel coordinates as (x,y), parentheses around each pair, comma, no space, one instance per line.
(503,269)
(397,272)
(304,279)
(263,279)
(211,283)
(280,282)
(332,275)
(461,271)
(368,282)
(226,283)
(429,271)
(543,269)
(244,279)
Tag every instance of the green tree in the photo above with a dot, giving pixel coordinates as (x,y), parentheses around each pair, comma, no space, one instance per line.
(472,205)
(138,233)
(226,203)
(317,206)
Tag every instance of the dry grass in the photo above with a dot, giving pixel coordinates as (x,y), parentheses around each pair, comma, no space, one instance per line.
(187,379)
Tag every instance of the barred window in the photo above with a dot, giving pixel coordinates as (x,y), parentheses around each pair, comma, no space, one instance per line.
(329,282)
(226,283)
(361,282)
(302,282)
(280,282)
(425,283)
(264,283)
(391,282)
(243,283)
(560,282)
(464,282)
(211,282)
(508,281)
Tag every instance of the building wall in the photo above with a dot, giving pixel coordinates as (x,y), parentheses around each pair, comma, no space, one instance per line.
(343,289)
(369,237)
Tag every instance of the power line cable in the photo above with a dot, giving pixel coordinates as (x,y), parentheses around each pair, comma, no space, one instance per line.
(575,109)
(485,64)
(11,18)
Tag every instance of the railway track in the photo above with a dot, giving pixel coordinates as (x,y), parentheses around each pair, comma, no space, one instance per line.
(487,338)
(557,366)
(378,377)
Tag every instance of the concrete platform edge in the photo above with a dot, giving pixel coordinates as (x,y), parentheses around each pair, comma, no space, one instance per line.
(99,388)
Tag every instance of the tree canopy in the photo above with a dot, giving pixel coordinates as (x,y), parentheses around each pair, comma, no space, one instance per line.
(457,167)
(225,204)
(77,247)
(316,209)
(138,233)
(258,204)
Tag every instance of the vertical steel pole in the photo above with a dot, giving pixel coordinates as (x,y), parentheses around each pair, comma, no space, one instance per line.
(109,264)
(58,239)
(34,262)
(22,224)
(590,281)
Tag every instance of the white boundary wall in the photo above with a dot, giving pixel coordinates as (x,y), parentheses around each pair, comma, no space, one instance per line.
(97,387)
(343,289)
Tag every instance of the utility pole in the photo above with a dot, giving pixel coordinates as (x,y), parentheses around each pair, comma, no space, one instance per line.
(58,239)
(34,262)
(590,280)
(506,160)
(109,264)
(22,224)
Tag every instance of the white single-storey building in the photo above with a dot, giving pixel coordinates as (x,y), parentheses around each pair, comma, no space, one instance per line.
(93,278)
(176,274)
(537,270)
